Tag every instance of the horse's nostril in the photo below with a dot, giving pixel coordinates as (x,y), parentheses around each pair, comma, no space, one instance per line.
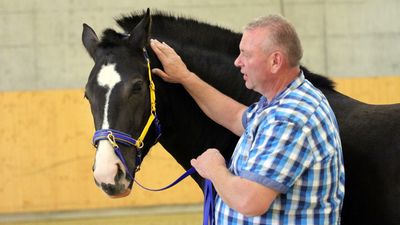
(120,173)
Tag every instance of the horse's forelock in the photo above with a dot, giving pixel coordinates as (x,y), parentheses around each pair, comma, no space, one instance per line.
(111,38)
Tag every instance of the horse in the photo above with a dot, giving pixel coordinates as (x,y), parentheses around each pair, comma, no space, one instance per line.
(120,87)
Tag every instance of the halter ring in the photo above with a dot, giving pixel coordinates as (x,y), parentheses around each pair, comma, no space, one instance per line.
(111,139)
(139,144)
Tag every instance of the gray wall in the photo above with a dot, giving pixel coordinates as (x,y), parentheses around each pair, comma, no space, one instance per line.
(40,40)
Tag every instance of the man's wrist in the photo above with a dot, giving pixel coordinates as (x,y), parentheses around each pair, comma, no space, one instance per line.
(187,77)
(219,173)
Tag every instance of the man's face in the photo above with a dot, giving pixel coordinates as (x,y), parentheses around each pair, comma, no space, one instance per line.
(253,59)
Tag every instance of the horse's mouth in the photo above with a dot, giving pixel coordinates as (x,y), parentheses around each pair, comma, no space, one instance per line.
(121,195)
(115,190)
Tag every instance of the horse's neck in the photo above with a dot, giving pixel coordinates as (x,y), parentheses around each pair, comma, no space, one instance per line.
(217,69)
(187,131)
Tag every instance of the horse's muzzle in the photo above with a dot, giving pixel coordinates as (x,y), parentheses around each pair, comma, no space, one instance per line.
(120,188)
(115,191)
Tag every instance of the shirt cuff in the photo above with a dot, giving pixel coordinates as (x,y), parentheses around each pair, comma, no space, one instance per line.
(268,182)
(244,119)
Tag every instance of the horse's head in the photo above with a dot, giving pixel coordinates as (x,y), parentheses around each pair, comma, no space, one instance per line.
(119,95)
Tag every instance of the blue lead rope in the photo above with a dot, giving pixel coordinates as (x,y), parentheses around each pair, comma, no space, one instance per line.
(208,208)
(183,176)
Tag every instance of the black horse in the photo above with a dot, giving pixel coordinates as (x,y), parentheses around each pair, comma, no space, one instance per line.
(118,92)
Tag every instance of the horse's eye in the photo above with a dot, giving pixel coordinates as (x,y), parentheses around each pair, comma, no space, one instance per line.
(137,86)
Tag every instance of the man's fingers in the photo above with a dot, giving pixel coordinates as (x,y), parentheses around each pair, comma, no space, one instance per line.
(162,48)
(159,73)
(157,48)
(193,162)
(166,48)
(174,68)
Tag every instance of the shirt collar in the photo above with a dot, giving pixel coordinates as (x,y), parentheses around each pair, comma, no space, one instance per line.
(292,86)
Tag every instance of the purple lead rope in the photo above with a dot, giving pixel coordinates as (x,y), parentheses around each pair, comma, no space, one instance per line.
(183,176)
(208,208)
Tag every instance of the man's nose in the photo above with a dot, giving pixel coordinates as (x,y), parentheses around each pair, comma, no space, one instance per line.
(237,62)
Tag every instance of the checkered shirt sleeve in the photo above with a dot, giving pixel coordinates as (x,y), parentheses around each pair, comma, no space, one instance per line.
(279,155)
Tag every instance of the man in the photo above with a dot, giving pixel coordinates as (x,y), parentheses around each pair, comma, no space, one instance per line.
(287,167)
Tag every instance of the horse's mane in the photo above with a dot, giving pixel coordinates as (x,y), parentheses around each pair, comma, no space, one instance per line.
(186,31)
(318,80)
(192,35)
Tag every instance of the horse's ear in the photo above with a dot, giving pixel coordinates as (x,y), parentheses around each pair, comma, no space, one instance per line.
(90,40)
(139,36)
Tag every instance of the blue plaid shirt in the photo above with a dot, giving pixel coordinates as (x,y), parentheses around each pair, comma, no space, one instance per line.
(291,145)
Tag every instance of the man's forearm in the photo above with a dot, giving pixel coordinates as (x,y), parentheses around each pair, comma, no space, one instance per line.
(245,196)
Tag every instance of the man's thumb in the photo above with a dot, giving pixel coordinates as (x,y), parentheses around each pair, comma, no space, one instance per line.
(159,73)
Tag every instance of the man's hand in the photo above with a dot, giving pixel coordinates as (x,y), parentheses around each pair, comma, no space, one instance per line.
(208,163)
(246,196)
(175,70)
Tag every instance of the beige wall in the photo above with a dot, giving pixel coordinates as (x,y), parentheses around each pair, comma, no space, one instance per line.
(46,152)
(40,40)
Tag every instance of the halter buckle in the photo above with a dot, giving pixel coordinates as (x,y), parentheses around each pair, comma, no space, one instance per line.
(111,139)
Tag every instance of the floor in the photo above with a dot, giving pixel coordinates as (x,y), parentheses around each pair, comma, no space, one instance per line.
(190,215)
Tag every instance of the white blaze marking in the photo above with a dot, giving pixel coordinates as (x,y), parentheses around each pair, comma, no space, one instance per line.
(108,78)
(106,159)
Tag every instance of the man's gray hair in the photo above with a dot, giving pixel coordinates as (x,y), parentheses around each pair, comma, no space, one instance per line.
(281,34)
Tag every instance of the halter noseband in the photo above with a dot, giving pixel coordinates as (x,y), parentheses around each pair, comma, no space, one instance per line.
(116,137)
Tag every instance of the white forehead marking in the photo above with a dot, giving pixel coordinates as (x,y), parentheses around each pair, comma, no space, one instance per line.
(107,77)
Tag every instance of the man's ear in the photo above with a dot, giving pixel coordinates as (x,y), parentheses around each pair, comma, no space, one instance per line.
(89,40)
(276,61)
